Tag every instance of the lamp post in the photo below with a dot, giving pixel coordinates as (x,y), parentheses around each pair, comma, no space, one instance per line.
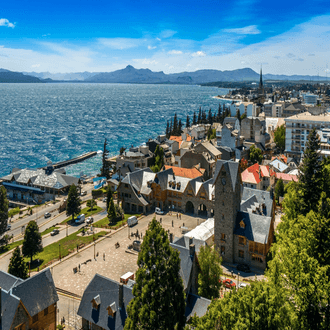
(238,279)
(94,245)
(59,250)
(67,226)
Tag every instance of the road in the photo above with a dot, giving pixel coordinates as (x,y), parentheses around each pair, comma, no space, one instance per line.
(48,239)
(17,226)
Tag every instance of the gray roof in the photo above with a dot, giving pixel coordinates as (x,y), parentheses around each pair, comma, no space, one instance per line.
(196,305)
(251,196)
(232,169)
(37,292)
(256,226)
(109,294)
(183,241)
(9,304)
(8,281)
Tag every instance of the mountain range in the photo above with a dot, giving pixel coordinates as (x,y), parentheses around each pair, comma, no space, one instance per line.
(146,76)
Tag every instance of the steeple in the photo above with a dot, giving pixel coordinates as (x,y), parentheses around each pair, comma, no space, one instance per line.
(260,83)
(261,90)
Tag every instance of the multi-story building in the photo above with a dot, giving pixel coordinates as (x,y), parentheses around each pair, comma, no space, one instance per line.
(28,304)
(243,218)
(309,98)
(298,128)
(258,177)
(249,108)
(273,109)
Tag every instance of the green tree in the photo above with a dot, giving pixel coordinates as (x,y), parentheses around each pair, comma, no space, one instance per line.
(279,189)
(32,243)
(188,122)
(209,276)
(279,137)
(112,210)
(258,306)
(211,133)
(243,116)
(4,204)
(121,150)
(109,196)
(255,154)
(17,265)
(105,169)
(159,159)
(73,206)
(194,119)
(310,178)
(159,299)
(91,203)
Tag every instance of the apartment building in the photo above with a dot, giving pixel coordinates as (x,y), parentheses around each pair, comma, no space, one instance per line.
(298,128)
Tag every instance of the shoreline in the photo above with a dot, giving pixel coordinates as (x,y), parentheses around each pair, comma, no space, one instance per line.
(225,99)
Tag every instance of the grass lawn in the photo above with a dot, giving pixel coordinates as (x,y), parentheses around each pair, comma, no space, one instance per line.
(105,222)
(68,245)
(11,246)
(87,211)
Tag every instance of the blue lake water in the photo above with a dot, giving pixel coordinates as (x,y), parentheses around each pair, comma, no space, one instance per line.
(41,122)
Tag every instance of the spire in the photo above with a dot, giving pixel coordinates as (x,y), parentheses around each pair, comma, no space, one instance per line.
(260,83)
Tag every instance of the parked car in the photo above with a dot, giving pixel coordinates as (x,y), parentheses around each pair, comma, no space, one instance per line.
(80,219)
(89,220)
(159,211)
(83,193)
(54,232)
(104,199)
(131,221)
(47,215)
(243,268)
(229,283)
(8,227)
(242,285)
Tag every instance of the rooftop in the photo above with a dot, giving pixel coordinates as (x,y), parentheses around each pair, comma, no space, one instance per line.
(191,173)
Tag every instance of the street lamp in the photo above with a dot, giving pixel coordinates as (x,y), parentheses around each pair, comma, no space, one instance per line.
(238,279)
(67,226)
(94,245)
(59,250)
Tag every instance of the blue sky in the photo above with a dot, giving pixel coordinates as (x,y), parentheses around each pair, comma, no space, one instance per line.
(285,37)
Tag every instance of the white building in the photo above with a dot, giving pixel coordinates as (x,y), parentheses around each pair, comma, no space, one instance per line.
(249,108)
(309,98)
(298,128)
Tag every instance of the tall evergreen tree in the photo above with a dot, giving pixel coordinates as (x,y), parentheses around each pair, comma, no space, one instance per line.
(188,122)
(159,299)
(210,117)
(203,117)
(109,196)
(32,243)
(171,127)
(199,119)
(105,169)
(194,119)
(209,277)
(17,265)
(73,204)
(111,210)
(167,129)
(219,114)
(175,125)
(279,190)
(310,177)
(4,204)
(179,128)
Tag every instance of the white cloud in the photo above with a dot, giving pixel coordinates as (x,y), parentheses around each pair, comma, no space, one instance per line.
(251,29)
(198,54)
(5,22)
(167,34)
(120,43)
(35,65)
(152,47)
(175,52)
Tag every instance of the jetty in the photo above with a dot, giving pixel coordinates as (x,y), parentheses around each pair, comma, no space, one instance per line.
(75,160)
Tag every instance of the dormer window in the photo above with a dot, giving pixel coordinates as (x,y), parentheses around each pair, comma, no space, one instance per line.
(112,309)
(96,302)
(242,224)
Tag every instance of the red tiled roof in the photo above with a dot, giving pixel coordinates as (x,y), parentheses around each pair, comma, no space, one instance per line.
(287,177)
(282,158)
(179,139)
(251,174)
(190,173)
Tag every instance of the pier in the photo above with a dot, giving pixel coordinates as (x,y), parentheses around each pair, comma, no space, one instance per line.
(74,160)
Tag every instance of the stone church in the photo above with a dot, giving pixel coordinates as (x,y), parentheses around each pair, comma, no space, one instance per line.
(243,218)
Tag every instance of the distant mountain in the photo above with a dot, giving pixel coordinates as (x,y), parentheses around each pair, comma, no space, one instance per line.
(7,76)
(132,75)
(73,76)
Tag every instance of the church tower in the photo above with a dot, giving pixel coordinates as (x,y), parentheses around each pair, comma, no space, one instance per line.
(227,181)
(261,90)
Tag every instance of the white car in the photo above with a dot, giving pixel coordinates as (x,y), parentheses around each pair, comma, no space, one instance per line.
(242,285)
(159,211)
(104,199)
(80,219)
(89,220)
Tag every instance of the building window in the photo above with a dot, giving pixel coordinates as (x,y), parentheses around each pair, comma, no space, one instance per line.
(35,318)
(241,253)
(257,258)
(126,185)
(241,240)
(46,311)
(223,236)
(223,250)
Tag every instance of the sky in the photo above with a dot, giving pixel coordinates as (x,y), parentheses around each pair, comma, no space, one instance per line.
(284,37)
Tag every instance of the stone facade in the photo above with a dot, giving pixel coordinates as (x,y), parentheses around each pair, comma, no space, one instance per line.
(227,204)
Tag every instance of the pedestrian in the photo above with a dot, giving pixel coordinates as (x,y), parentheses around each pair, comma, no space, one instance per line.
(79,268)
(103,255)
(180,215)
(172,223)
(177,215)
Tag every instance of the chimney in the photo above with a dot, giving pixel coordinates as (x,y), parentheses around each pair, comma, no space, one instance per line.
(121,300)
(171,237)
(192,249)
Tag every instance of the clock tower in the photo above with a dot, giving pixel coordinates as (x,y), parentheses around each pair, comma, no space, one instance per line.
(228,186)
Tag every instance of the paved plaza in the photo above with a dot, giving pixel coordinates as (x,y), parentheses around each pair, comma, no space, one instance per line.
(116,261)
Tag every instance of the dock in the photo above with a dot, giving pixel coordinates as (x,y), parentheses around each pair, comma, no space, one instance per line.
(75,160)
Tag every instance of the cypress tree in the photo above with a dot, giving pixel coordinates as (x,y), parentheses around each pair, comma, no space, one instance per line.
(73,205)
(179,128)
(17,265)
(199,119)
(32,243)
(111,210)
(194,119)
(105,169)
(175,125)
(167,129)
(159,299)
(210,117)
(310,178)
(219,114)
(4,204)
(188,122)
(109,196)
(171,128)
